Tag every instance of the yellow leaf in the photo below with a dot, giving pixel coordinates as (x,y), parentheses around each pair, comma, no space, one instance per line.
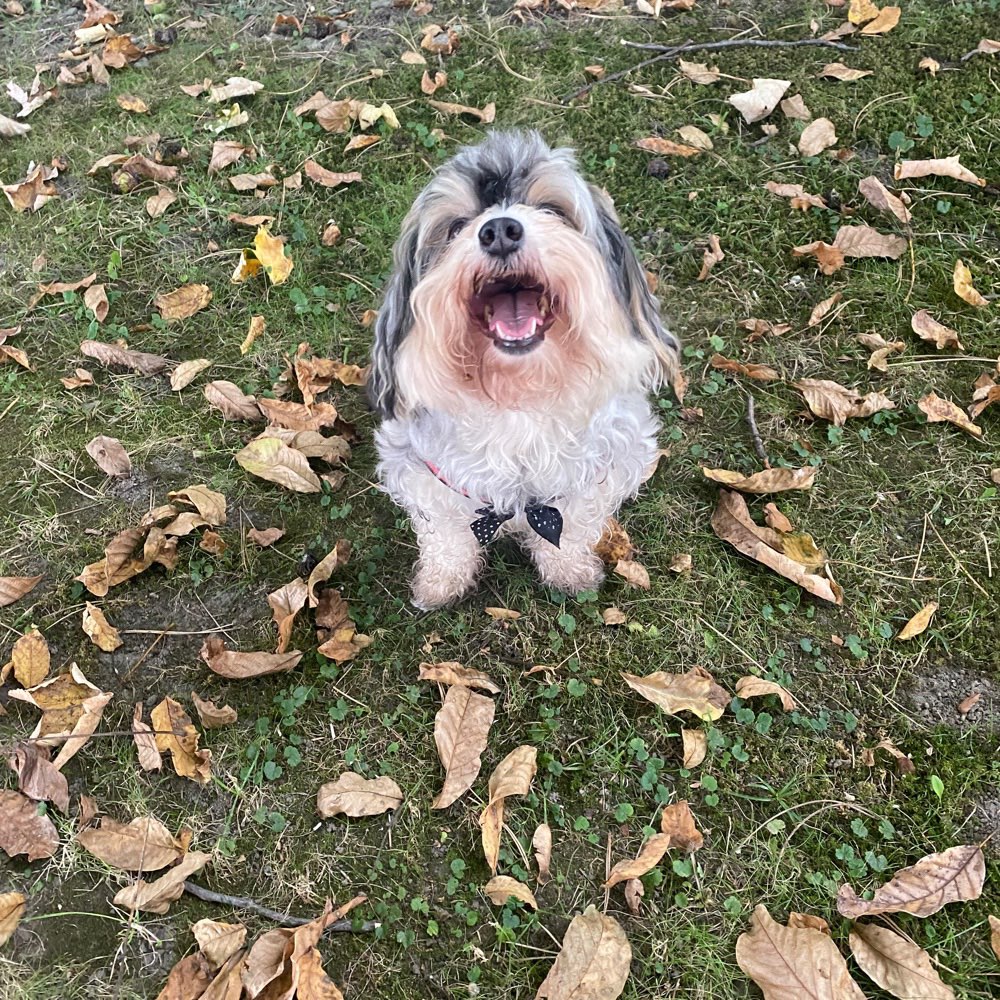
(12,906)
(593,962)
(273,460)
(183,302)
(964,289)
(500,888)
(694,691)
(353,795)
(102,634)
(919,622)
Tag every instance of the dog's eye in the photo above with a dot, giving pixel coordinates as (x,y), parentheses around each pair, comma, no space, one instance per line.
(456,227)
(554,210)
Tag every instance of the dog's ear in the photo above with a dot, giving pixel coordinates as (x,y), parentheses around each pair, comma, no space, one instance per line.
(394,321)
(632,289)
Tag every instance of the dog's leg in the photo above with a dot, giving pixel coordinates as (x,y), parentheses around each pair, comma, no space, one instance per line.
(573,566)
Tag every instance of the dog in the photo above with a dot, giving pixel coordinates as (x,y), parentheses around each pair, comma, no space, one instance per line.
(514,353)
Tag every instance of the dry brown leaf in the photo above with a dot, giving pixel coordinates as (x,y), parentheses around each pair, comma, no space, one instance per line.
(948,166)
(694,691)
(732,523)
(614,543)
(238,666)
(593,963)
(95,299)
(964,288)
(149,757)
(633,573)
(218,941)
(795,107)
(541,844)
(157,204)
(80,379)
(760,373)
(886,19)
(666,147)
(176,735)
(129,102)
(760,100)
(186,372)
(694,136)
(210,715)
(266,538)
(821,309)
(298,416)
(325,568)
(13,588)
(513,776)
(102,634)
(353,795)
(183,302)
(836,403)
(144,844)
(793,963)
(860,11)
(329,178)
(838,71)
(286,602)
(190,978)
(455,673)
(12,905)
(235,86)
(486,115)
(830,258)
(677,821)
(768,481)
(817,136)
(863,241)
(37,777)
(34,191)
(985,393)
(232,401)
(695,744)
(500,888)
(938,410)
(331,234)
(156,897)
(931,65)
(120,357)
(502,614)
(712,256)
(699,72)
(951,876)
(344,645)
(109,455)
(925,326)
(10,129)
(23,830)
(461,728)
(224,153)
(29,659)
(995,935)
(773,518)
(251,182)
(257,327)
(897,965)
(919,622)
(613,616)
(878,195)
(431,86)
(757,687)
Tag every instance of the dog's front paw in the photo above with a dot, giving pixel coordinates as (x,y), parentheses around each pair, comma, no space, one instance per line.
(583,571)
(434,588)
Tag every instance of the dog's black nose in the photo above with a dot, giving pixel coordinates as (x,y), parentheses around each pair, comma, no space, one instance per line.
(501,237)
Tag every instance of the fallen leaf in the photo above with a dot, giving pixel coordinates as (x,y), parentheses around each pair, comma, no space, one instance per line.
(677,821)
(760,100)
(878,195)
(149,757)
(238,666)
(695,746)
(256,329)
(219,941)
(23,830)
(345,644)
(29,659)
(325,568)
(952,876)
(836,403)
(968,703)
(30,194)
(158,203)
(430,86)
(95,298)
(886,19)
(500,888)
(897,965)
(410,57)
(666,147)
(225,152)
(830,258)
(694,691)
(251,182)
(768,481)
(176,735)
(838,71)
(80,379)
(186,372)
(102,634)
(455,673)
(773,518)
(234,403)
(502,614)
(927,328)
(58,287)
(793,963)
(210,504)
(633,573)
(10,129)
(817,136)
(757,687)
(190,977)
(513,776)
(995,935)
(699,72)
(268,254)
(860,11)
(863,241)
(286,602)
(822,309)
(235,86)
(182,302)
(948,166)
(109,455)
(694,136)
(328,178)
(266,538)
(37,777)
(613,616)
(144,844)
(461,728)
(12,905)
(353,795)
(593,963)
(760,373)
(938,410)
(614,543)
(331,234)
(121,357)
(986,392)
(438,40)
(486,115)
(964,289)
(931,65)
(732,523)
(156,897)
(541,844)
(210,715)
(919,622)
(795,107)
(712,256)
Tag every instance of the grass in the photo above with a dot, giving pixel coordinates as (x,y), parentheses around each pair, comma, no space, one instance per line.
(789,809)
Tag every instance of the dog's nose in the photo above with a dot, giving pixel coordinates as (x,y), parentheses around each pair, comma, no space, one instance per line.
(501,237)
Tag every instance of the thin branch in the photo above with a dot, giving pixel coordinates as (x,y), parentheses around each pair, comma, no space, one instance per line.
(758,444)
(666,52)
(284,919)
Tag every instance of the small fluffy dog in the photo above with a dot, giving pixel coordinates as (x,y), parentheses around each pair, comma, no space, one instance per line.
(513,355)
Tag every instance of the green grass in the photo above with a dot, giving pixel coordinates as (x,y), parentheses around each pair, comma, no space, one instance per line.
(789,809)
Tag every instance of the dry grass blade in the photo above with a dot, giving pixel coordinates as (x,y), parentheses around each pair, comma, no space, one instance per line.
(896,965)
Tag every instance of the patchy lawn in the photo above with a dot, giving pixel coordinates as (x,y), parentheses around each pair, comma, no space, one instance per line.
(792,804)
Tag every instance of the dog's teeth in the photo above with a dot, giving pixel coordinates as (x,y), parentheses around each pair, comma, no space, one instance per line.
(543,304)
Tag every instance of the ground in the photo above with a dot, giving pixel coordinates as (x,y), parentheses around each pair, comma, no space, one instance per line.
(905,509)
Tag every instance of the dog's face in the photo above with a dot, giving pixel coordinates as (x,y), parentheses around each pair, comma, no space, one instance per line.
(514,284)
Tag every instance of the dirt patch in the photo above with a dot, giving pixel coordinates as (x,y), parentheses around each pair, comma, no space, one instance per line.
(936,695)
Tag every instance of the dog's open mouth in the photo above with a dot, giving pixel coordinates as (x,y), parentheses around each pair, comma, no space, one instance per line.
(514,313)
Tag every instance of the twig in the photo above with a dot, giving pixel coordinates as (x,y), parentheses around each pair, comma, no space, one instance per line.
(284,919)
(758,445)
(667,52)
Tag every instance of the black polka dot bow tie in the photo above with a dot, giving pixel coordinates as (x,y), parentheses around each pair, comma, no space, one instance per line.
(545,521)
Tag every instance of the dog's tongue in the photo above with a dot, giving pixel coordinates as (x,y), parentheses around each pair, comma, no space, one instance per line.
(516,315)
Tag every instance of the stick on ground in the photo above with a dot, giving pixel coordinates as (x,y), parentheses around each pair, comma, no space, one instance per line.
(758,444)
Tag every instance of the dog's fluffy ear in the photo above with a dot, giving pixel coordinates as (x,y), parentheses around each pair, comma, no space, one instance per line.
(394,321)
(633,292)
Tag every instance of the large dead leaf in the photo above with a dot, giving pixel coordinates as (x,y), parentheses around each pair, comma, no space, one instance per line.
(13,588)
(102,633)
(22,830)
(695,747)
(218,941)
(648,858)
(964,288)
(677,821)
(183,302)
(354,795)
(190,979)
(210,504)
(756,687)
(541,844)
(897,965)
(768,481)
(298,416)
(30,194)
(186,372)
(10,129)
(500,888)
(926,327)
(37,777)
(760,100)
(860,11)
(694,691)
(800,198)
(986,392)
(830,258)
(938,410)
(946,167)
(995,935)
(593,963)
(919,622)
(157,204)
(487,114)
(29,659)
(886,19)
(455,673)
(326,567)
(12,906)
(176,735)
(234,403)
(952,876)
(614,543)
(877,194)
(836,403)
(513,776)
(210,715)
(121,357)
(817,136)
(733,524)
(129,553)
(794,963)
(863,241)
(666,147)
(144,844)
(329,178)
(270,252)
(286,602)
(699,73)
(156,897)
(145,743)
(760,373)
(271,459)
(109,455)
(461,728)
(235,86)
(838,71)
(238,666)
